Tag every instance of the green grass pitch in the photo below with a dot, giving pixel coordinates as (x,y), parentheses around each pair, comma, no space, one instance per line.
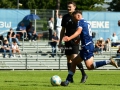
(40,80)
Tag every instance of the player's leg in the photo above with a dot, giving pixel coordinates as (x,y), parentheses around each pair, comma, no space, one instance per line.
(92,65)
(71,72)
(75,50)
(80,66)
(69,62)
(88,58)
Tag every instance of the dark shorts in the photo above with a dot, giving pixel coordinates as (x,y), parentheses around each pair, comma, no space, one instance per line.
(70,48)
(87,52)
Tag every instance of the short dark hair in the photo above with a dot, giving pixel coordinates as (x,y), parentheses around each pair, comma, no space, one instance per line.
(71,2)
(14,41)
(5,41)
(60,14)
(76,12)
(11,29)
(50,18)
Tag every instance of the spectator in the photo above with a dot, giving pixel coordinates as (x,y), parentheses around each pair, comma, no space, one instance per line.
(118,52)
(15,49)
(114,39)
(11,37)
(32,35)
(54,42)
(50,27)
(6,48)
(99,46)
(118,22)
(1,39)
(118,56)
(107,45)
(22,32)
(58,24)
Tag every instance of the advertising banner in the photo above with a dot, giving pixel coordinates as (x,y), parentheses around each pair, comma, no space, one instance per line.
(104,24)
(10,18)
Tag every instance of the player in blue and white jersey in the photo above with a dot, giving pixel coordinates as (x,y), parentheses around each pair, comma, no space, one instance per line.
(87,47)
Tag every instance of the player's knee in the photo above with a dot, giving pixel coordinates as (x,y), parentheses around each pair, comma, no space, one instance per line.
(90,67)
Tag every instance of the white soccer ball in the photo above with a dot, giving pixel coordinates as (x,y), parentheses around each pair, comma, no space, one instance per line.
(55,80)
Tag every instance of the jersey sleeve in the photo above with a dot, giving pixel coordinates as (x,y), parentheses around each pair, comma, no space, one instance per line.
(79,25)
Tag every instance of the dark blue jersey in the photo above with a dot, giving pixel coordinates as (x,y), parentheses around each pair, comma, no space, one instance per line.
(86,34)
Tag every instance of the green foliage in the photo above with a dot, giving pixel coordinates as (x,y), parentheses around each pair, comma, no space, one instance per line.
(50,4)
(6,4)
(114,5)
(40,80)
(82,4)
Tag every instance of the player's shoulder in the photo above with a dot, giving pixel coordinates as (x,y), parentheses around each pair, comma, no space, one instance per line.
(66,15)
(83,21)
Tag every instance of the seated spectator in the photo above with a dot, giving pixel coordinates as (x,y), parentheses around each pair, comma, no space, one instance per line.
(107,45)
(22,32)
(1,39)
(99,45)
(6,48)
(53,44)
(114,39)
(15,49)
(11,37)
(32,35)
(118,52)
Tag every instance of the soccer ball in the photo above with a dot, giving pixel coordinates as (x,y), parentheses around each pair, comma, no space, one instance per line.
(55,80)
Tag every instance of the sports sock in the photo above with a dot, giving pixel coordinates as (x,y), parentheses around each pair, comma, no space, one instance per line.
(108,61)
(69,66)
(80,66)
(70,76)
(99,63)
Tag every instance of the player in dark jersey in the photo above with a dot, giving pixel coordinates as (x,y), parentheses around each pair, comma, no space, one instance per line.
(87,47)
(71,48)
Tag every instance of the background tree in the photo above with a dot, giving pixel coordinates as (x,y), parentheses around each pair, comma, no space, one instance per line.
(83,4)
(114,6)
(6,4)
(51,4)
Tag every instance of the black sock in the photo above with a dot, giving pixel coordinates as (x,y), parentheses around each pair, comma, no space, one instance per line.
(69,66)
(69,77)
(80,66)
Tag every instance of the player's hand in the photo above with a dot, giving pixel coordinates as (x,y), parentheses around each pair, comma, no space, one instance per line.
(66,39)
(77,41)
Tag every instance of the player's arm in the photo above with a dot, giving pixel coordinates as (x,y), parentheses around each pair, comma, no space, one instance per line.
(57,13)
(62,33)
(78,32)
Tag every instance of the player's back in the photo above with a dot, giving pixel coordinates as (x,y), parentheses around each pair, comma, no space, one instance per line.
(86,34)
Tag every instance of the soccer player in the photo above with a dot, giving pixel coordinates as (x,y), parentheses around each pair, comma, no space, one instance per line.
(87,47)
(71,48)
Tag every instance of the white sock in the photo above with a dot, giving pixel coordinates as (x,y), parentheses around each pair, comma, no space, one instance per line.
(108,61)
